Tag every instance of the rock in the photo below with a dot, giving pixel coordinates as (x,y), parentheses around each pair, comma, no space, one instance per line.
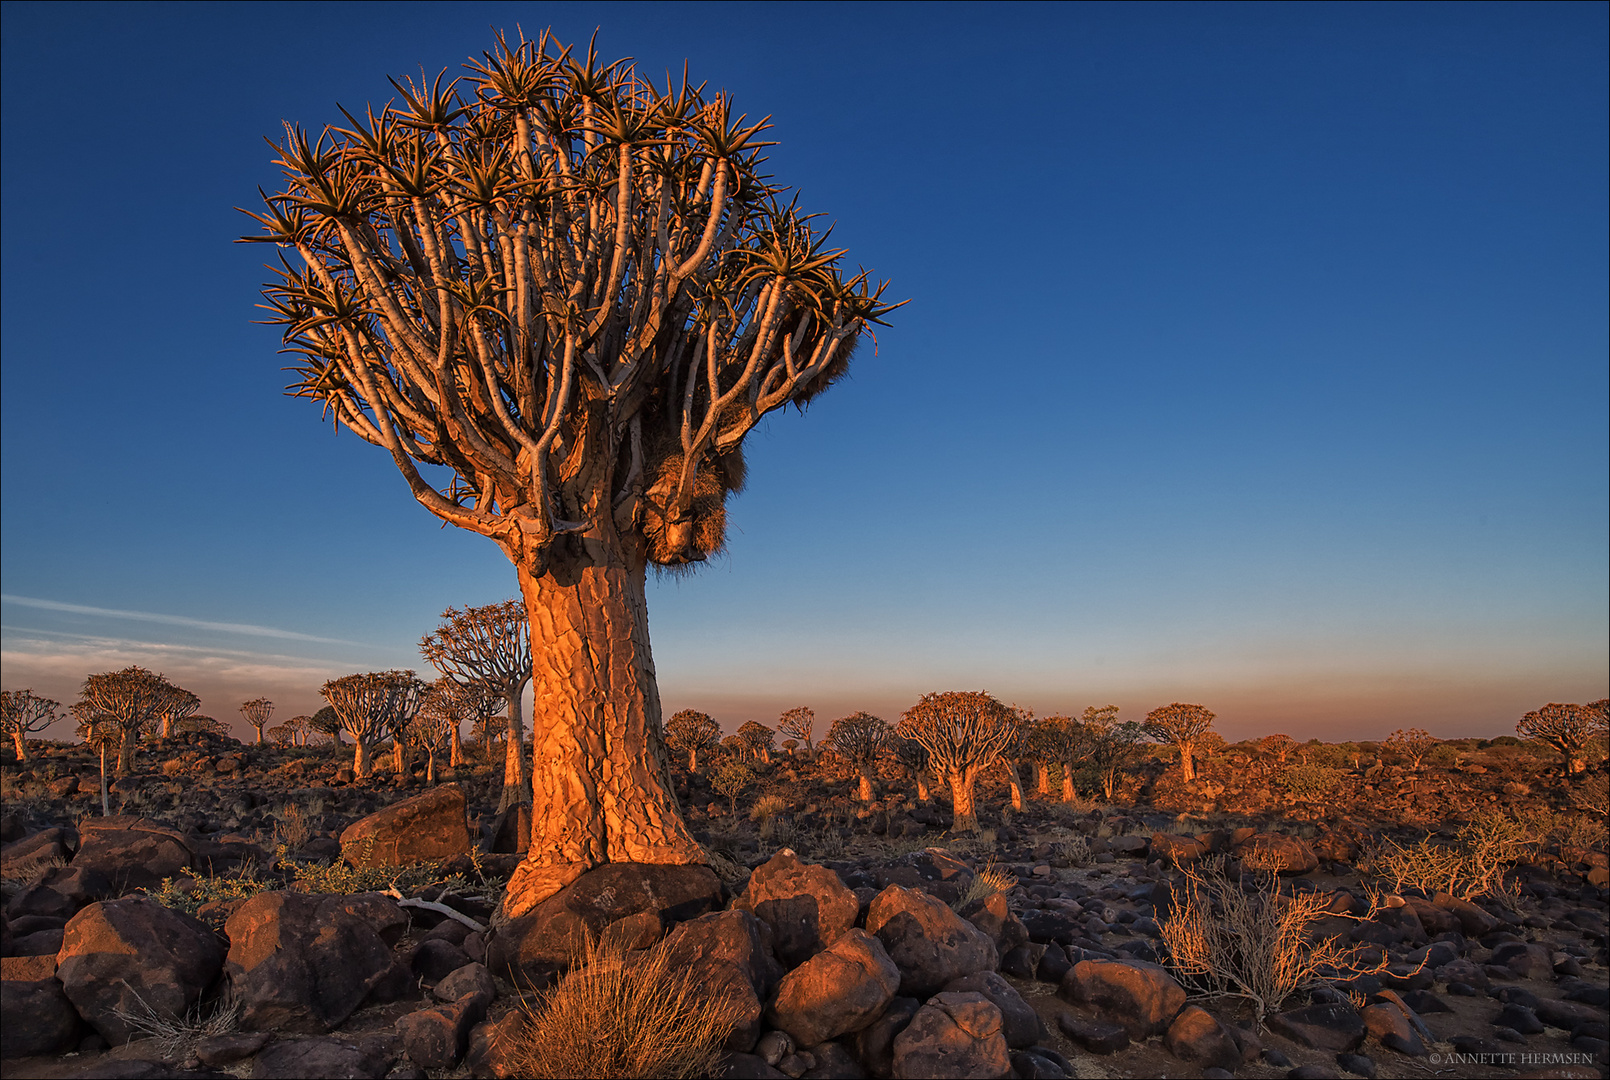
(1096,1036)
(1335,1027)
(27,858)
(836,992)
(426,828)
(332,1058)
(1526,959)
(807,906)
(132,852)
(991,915)
(494,1049)
(1566,1015)
(1022,962)
(435,958)
(833,1062)
(1142,998)
(874,1044)
(38,1017)
(134,955)
(38,943)
(740,1066)
(227,1049)
(953,1035)
(728,954)
(1357,1064)
(61,892)
(1519,1018)
(436,1038)
(774,1046)
(380,911)
(1272,851)
(470,979)
(927,941)
(1037,1064)
(1392,1027)
(934,871)
(1020,1024)
(1051,927)
(1054,965)
(1133,846)
(301,963)
(1434,918)
(531,949)
(1178,850)
(1197,1036)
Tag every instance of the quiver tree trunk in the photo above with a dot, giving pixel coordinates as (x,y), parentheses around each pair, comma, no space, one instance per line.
(864,789)
(1014,781)
(1042,779)
(599,767)
(360,757)
(1068,792)
(1187,761)
(964,815)
(455,755)
(516,772)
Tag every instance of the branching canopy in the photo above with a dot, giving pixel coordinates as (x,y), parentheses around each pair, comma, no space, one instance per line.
(961,730)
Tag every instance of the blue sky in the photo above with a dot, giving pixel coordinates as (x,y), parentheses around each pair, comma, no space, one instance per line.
(1256,357)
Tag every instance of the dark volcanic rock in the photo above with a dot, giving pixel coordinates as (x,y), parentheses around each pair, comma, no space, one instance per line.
(1142,998)
(1020,1024)
(928,942)
(332,1058)
(38,1018)
(426,828)
(835,992)
(132,852)
(1198,1037)
(1335,1027)
(807,906)
(953,1035)
(727,954)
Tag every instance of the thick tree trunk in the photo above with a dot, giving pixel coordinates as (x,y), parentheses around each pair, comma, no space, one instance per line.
(259,728)
(360,758)
(399,756)
(1015,782)
(922,787)
(964,817)
(1042,780)
(455,755)
(516,775)
(1187,764)
(1068,794)
(167,727)
(22,746)
(430,766)
(599,768)
(126,750)
(864,788)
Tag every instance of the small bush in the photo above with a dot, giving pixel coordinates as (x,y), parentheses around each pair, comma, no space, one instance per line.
(1310,783)
(176,1036)
(986,883)
(618,1016)
(1473,865)
(1248,939)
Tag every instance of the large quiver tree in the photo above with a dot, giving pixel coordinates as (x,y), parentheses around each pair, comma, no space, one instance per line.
(963,732)
(560,298)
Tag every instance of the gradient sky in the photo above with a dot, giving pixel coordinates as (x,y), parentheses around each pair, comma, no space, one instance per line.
(1256,357)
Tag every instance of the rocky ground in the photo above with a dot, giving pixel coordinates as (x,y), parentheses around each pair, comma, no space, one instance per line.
(854,939)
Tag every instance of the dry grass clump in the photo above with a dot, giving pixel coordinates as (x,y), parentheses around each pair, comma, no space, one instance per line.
(985,884)
(1252,941)
(176,1036)
(621,1015)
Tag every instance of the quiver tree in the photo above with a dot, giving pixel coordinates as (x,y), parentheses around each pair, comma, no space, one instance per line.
(23,712)
(487,730)
(1410,745)
(281,734)
(490,647)
(102,731)
(297,726)
(1181,726)
(257,712)
(1042,748)
(963,732)
(691,732)
(798,724)
(571,294)
(757,739)
(913,757)
(1108,745)
(370,706)
(859,738)
(130,700)
(180,706)
(1017,753)
(1278,747)
(327,723)
(1567,728)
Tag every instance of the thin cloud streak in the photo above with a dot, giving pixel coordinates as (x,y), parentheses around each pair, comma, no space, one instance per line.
(172,620)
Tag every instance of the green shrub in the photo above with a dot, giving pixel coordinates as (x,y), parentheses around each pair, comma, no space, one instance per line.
(1310,782)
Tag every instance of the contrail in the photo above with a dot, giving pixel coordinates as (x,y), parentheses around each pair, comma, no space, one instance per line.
(173,620)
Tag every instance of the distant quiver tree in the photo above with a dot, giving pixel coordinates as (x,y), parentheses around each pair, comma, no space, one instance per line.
(372,707)
(1567,728)
(257,711)
(23,712)
(798,723)
(128,701)
(490,647)
(1181,726)
(859,738)
(963,732)
(560,296)
(690,732)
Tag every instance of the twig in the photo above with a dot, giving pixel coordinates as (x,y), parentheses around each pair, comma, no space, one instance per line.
(431,905)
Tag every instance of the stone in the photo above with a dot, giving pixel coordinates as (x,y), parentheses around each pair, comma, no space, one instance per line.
(61,892)
(495,1046)
(1051,927)
(991,915)
(332,1058)
(437,1037)
(133,955)
(38,943)
(1433,917)
(933,870)
(740,1066)
(1142,998)
(832,1062)
(38,1017)
(1178,850)
(774,1046)
(380,911)
(728,954)
(1197,1036)
(1519,1018)
(1054,965)
(927,941)
(953,1035)
(1272,851)
(874,1044)
(472,978)
(1036,1064)
(1566,1015)
(836,992)
(1526,959)
(1335,1027)
(1096,1036)
(230,1048)
(1357,1064)
(807,906)
(434,958)
(132,852)
(533,948)
(1020,1024)
(1392,1027)
(426,828)
(300,963)
(1022,962)
(25,859)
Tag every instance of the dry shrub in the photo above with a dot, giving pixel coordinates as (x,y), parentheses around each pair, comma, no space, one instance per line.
(985,884)
(1247,939)
(1473,865)
(618,1014)
(176,1036)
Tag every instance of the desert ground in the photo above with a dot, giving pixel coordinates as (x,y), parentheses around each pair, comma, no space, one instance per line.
(259,911)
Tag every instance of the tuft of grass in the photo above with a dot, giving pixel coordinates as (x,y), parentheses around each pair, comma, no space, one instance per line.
(985,884)
(292,827)
(617,1015)
(176,1036)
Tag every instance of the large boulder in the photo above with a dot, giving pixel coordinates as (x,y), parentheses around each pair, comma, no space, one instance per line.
(927,941)
(426,828)
(991,915)
(1020,1024)
(61,892)
(38,1017)
(132,852)
(1334,1027)
(1197,1036)
(1141,998)
(874,1044)
(727,954)
(27,858)
(1281,854)
(806,906)
(334,1058)
(437,1037)
(954,1035)
(132,957)
(301,963)
(533,948)
(836,992)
